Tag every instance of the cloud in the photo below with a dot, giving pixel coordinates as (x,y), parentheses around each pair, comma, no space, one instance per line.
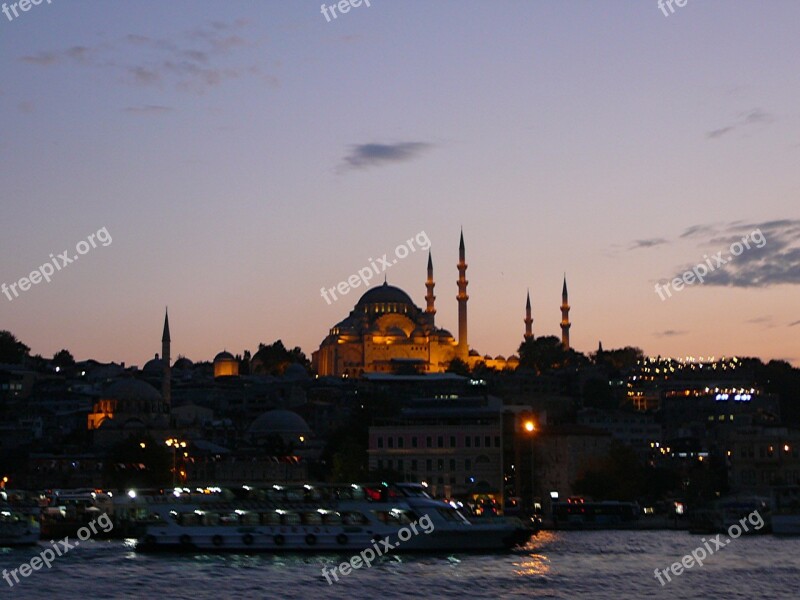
(43,59)
(698,230)
(754,116)
(669,333)
(638,244)
(148,109)
(194,61)
(759,320)
(776,262)
(795,323)
(370,155)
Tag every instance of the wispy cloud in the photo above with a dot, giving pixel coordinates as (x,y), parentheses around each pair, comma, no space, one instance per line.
(637,244)
(795,323)
(753,116)
(148,109)
(670,333)
(369,155)
(194,61)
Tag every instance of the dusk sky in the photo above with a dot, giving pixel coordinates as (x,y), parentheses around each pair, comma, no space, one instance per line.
(243,155)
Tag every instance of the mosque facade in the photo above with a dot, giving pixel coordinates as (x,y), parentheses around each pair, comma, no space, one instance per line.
(386,332)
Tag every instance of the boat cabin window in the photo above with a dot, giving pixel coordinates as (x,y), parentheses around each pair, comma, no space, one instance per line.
(354,518)
(395,516)
(250,518)
(332,518)
(312,518)
(451,514)
(270,518)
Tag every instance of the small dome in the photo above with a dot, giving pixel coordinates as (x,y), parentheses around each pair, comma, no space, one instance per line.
(280,421)
(131,390)
(500,357)
(154,365)
(295,372)
(183,363)
(224,355)
(396,332)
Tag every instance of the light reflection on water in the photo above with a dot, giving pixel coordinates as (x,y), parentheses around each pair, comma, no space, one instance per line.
(601,565)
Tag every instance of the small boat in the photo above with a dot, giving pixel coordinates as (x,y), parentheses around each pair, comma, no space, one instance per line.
(401,517)
(786,510)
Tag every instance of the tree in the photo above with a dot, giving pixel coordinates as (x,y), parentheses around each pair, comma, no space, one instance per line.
(273,359)
(459,367)
(598,394)
(547,353)
(12,351)
(619,358)
(63,359)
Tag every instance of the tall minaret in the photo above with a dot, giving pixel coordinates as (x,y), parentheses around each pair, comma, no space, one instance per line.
(528,319)
(166,383)
(565,324)
(429,297)
(463,347)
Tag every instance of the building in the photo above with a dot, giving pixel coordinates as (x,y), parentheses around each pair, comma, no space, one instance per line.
(561,455)
(128,407)
(636,430)
(760,457)
(455,446)
(386,332)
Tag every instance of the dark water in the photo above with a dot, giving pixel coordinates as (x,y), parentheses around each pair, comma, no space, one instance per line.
(597,565)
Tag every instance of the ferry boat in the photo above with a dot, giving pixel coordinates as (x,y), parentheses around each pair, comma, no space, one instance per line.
(19,525)
(578,513)
(786,510)
(322,518)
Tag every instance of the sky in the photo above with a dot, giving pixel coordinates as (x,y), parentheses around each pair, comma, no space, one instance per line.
(233,158)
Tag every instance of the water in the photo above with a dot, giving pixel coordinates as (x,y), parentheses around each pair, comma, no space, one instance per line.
(602,565)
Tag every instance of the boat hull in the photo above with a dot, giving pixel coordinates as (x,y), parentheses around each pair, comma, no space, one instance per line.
(474,538)
(786,524)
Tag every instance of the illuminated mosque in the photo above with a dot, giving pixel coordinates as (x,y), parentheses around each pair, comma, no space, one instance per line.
(387,333)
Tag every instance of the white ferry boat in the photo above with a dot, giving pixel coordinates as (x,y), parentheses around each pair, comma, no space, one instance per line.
(19,526)
(323,518)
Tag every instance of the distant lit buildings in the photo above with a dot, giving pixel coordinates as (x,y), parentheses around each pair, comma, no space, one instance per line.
(455,446)
(639,431)
(759,457)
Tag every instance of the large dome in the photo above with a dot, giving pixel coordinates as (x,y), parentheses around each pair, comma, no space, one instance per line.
(281,422)
(385,294)
(132,390)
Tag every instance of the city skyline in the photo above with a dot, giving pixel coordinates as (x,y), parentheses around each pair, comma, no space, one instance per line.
(242,159)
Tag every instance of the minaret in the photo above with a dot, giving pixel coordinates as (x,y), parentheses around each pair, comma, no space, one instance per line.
(165,357)
(429,297)
(565,324)
(528,319)
(463,347)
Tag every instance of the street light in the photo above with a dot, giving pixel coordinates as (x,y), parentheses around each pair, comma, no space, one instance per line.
(530,428)
(175,443)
